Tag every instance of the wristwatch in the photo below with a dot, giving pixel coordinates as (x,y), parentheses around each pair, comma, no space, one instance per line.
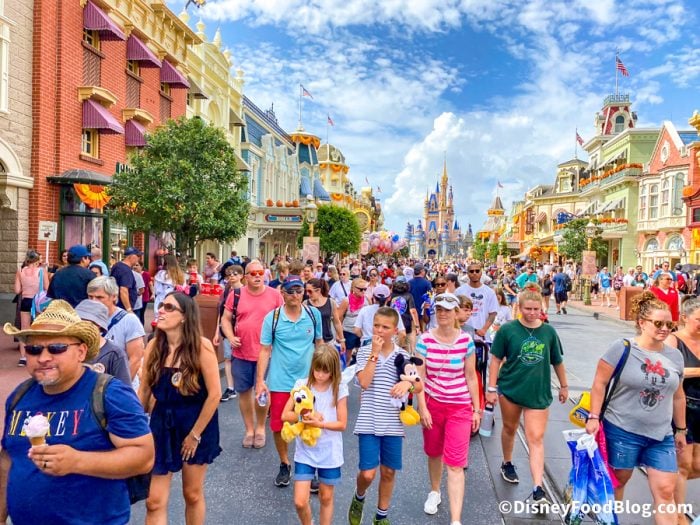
(492,389)
(373,358)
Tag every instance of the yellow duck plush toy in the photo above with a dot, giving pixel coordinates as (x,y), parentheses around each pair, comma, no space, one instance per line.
(303,404)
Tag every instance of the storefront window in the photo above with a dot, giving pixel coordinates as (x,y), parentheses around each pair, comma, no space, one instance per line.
(118,240)
(81,224)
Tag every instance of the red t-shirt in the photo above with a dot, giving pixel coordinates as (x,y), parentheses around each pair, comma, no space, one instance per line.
(250,314)
(670,298)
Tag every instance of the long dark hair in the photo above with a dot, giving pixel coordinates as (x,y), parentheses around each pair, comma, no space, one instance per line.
(321,284)
(187,354)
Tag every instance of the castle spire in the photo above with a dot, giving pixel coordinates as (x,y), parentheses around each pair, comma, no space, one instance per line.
(444,170)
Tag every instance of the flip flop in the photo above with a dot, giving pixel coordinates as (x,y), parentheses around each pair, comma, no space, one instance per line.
(259,441)
(248,441)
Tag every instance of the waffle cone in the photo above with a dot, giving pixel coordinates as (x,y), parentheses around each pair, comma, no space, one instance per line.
(38,441)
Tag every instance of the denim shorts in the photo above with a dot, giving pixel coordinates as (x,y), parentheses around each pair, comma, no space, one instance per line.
(228,351)
(627,450)
(327,476)
(351,340)
(243,374)
(384,450)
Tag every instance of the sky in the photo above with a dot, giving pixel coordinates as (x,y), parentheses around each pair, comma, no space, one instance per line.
(498,88)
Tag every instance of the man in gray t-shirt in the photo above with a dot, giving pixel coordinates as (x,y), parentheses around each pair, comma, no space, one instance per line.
(643,400)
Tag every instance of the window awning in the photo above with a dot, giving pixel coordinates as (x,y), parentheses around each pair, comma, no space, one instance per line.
(241,165)
(233,119)
(138,51)
(589,210)
(618,204)
(78,176)
(320,192)
(95,19)
(170,75)
(96,116)
(195,90)
(134,133)
(541,216)
(305,186)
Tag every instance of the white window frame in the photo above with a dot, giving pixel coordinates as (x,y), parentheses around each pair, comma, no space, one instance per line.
(643,202)
(665,198)
(4,63)
(654,201)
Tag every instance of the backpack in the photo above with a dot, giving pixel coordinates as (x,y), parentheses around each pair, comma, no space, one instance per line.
(41,300)
(567,283)
(234,313)
(138,486)
(276,320)
(682,282)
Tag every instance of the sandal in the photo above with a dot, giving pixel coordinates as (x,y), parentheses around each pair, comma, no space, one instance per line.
(248,441)
(259,441)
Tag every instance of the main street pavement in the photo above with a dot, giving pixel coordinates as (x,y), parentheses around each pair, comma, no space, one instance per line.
(239,485)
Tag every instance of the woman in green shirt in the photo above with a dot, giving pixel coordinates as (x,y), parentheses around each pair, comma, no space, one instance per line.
(520,379)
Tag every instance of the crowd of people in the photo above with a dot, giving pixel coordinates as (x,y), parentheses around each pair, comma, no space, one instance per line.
(434,341)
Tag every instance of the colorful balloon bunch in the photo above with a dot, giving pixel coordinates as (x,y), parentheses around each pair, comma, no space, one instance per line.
(385,242)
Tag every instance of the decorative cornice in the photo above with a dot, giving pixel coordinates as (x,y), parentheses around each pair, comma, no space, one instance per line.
(138,114)
(103,95)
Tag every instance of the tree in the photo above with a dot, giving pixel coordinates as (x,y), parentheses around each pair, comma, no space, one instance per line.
(479,249)
(184,182)
(337,229)
(575,241)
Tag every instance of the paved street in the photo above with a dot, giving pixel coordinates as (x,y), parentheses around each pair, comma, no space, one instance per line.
(240,490)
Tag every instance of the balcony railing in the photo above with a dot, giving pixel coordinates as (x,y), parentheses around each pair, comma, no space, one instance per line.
(612,175)
(617,99)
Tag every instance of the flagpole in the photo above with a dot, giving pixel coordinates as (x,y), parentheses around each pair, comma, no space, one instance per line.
(300,97)
(576,145)
(617,54)
(328,124)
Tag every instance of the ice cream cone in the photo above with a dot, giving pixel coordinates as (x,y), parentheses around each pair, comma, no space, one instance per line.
(37,441)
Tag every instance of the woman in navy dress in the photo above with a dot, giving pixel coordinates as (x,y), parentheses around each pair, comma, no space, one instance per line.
(180,388)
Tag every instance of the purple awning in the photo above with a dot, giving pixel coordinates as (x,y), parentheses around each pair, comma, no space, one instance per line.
(95,19)
(134,133)
(96,116)
(137,50)
(170,75)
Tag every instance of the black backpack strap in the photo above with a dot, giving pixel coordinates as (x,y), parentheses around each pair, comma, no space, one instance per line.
(97,401)
(236,300)
(275,321)
(22,389)
(615,378)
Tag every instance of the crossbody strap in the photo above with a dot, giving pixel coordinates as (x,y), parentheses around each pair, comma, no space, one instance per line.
(615,378)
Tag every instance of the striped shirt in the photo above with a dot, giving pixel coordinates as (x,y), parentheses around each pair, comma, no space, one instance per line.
(377,416)
(444,367)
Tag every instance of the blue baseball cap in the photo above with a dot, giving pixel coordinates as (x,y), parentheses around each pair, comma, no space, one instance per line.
(293,282)
(132,251)
(78,251)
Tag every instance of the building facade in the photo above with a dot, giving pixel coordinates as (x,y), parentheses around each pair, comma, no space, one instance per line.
(16,33)
(691,193)
(105,72)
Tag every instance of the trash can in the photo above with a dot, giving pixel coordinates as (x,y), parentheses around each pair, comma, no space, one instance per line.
(208,312)
(627,293)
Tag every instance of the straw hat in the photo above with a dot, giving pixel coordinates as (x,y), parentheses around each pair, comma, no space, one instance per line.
(59,318)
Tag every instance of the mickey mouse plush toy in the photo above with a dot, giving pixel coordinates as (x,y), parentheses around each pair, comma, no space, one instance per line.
(407,371)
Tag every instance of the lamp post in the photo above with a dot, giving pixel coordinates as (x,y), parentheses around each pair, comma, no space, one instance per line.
(311,213)
(590,233)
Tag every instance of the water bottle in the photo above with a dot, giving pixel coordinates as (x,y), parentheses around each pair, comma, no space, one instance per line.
(262,399)
(487,421)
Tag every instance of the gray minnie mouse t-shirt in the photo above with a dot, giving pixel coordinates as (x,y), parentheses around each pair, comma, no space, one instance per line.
(643,400)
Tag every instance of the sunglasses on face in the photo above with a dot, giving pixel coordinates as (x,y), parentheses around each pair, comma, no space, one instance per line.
(310,290)
(169,307)
(293,291)
(474,271)
(440,284)
(358,289)
(670,325)
(53,348)
(256,273)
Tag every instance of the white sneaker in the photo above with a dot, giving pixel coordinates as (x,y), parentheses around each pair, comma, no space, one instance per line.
(456,523)
(431,504)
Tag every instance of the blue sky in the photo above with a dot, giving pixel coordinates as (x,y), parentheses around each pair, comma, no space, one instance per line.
(499,85)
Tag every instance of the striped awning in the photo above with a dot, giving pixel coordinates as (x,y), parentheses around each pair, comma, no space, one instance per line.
(591,209)
(196,91)
(541,217)
(170,75)
(138,51)
(134,133)
(95,19)
(96,116)
(320,192)
(617,204)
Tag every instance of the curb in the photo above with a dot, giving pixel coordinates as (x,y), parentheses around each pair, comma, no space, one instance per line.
(602,317)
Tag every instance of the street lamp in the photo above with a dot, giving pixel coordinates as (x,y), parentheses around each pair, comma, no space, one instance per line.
(590,233)
(311,213)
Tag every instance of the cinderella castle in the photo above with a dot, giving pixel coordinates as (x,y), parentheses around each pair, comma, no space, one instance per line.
(442,235)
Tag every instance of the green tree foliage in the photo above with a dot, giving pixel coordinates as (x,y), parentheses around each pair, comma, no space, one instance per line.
(184,182)
(575,241)
(337,229)
(479,249)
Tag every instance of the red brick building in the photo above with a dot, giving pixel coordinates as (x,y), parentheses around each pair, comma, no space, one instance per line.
(104,72)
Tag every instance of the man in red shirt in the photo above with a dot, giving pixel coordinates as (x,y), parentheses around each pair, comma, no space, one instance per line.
(242,324)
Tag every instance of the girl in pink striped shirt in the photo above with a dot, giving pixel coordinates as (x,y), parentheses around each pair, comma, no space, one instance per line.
(449,406)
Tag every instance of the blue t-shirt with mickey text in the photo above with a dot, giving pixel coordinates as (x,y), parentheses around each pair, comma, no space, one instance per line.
(75,499)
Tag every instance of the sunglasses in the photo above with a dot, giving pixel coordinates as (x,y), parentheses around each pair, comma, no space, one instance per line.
(293,291)
(358,289)
(474,271)
(53,348)
(311,290)
(670,325)
(440,284)
(256,273)
(169,307)
(446,298)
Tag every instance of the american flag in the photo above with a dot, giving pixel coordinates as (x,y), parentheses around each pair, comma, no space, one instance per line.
(498,184)
(621,67)
(579,139)
(330,121)
(305,92)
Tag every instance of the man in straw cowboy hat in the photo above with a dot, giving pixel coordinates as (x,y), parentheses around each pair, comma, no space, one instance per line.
(78,475)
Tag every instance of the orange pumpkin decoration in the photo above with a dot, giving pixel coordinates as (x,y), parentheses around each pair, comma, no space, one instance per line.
(295,203)
(280,204)
(270,202)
